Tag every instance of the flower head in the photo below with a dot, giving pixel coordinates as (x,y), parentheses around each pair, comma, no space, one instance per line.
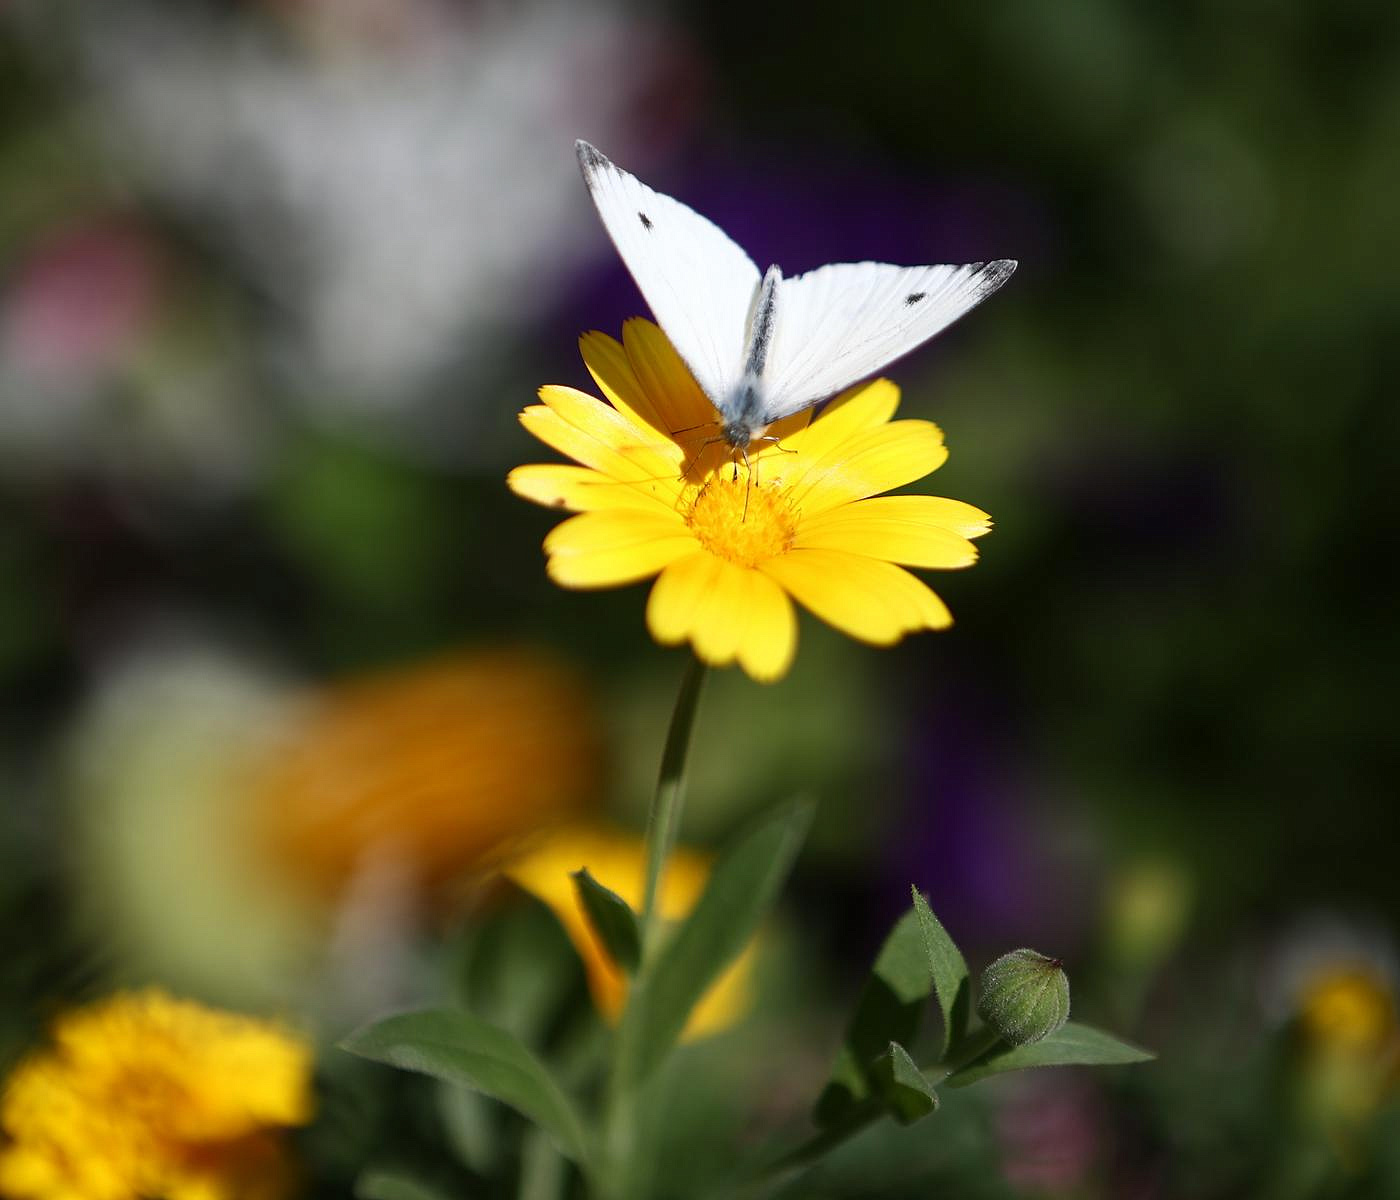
(734,542)
(143,1095)
(437,766)
(618,861)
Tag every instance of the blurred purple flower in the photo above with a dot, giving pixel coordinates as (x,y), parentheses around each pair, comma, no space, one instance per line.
(969,836)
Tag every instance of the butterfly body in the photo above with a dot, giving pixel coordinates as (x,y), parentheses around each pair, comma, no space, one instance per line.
(764,347)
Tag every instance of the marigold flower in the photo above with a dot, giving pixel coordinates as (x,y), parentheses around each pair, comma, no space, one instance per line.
(735,542)
(437,766)
(142,1095)
(618,861)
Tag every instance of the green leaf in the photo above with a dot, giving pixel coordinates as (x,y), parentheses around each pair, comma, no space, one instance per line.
(903,1086)
(457,1047)
(889,1010)
(612,920)
(469,1121)
(950,979)
(743,886)
(518,969)
(1073,1045)
(390,1185)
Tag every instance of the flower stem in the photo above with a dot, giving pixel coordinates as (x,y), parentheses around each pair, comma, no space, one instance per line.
(625,1167)
(664,819)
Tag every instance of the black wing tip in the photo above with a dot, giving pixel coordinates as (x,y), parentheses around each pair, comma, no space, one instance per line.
(590,158)
(991,275)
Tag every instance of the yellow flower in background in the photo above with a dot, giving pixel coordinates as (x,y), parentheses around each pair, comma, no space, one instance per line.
(733,543)
(437,766)
(1349,1009)
(144,1096)
(1350,1066)
(618,861)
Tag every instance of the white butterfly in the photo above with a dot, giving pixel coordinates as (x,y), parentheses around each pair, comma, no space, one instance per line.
(764,347)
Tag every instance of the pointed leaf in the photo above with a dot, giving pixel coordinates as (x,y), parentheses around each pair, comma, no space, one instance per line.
(889,1010)
(1073,1045)
(903,1086)
(612,920)
(460,1048)
(742,888)
(950,979)
(391,1185)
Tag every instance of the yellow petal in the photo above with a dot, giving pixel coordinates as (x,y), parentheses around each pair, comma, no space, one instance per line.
(611,369)
(864,407)
(627,462)
(582,489)
(618,862)
(727,612)
(610,548)
(607,424)
(875,461)
(769,640)
(952,515)
(592,531)
(886,528)
(868,599)
(664,377)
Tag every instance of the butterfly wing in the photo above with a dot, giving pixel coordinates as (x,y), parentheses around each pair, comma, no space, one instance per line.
(841,323)
(699,284)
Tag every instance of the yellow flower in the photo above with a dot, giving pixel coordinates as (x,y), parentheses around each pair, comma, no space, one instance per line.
(1349,1009)
(143,1096)
(618,861)
(435,767)
(734,543)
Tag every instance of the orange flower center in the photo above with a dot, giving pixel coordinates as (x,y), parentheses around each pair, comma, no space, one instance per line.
(742,521)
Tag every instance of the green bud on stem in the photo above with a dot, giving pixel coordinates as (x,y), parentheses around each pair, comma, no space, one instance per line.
(1025,996)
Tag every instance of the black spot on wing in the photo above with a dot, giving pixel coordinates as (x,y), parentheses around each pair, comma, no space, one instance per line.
(645,220)
(914,297)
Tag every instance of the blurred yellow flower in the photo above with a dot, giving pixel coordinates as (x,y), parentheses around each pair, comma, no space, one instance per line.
(1348,1009)
(618,861)
(734,543)
(1347,1018)
(437,767)
(144,1096)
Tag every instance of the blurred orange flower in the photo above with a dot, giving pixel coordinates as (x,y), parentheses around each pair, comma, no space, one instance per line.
(437,768)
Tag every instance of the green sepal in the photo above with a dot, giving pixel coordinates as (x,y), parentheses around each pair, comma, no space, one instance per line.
(455,1046)
(1071,1045)
(889,1010)
(903,1087)
(611,919)
(743,886)
(951,983)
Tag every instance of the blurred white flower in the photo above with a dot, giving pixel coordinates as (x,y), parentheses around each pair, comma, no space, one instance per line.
(406,191)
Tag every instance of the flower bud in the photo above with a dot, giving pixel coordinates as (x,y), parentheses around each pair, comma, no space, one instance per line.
(1025,996)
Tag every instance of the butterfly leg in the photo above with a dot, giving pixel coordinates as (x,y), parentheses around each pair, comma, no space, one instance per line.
(748,480)
(768,437)
(695,458)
